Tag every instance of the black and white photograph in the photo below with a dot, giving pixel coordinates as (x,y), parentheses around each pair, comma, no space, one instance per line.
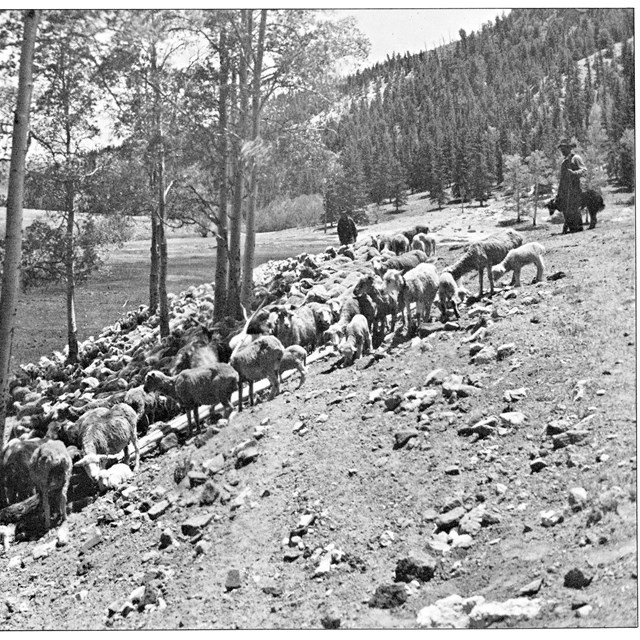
(318,318)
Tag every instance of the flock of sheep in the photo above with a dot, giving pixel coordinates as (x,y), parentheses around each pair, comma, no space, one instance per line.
(352,306)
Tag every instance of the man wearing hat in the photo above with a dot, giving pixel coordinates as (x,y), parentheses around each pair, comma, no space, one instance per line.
(569,191)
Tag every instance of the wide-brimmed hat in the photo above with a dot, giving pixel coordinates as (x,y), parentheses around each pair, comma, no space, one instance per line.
(565,142)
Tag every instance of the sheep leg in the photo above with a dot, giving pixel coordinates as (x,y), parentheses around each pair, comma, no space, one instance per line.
(240,385)
(275,384)
(196,417)
(480,278)
(62,503)
(251,392)
(44,497)
(454,304)
(136,449)
(490,278)
(540,271)
(303,374)
(189,428)
(516,276)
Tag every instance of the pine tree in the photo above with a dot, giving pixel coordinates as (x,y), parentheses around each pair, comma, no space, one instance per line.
(540,171)
(517,179)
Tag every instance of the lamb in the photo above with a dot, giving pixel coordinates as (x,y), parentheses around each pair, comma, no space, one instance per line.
(357,340)
(255,358)
(399,244)
(106,432)
(349,308)
(449,293)
(419,285)
(193,387)
(14,469)
(484,254)
(295,327)
(50,471)
(424,242)
(529,253)
(295,357)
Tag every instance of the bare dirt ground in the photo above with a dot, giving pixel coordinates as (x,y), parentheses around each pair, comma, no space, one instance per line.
(319,495)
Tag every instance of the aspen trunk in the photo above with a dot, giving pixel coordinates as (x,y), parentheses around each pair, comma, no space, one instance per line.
(15,195)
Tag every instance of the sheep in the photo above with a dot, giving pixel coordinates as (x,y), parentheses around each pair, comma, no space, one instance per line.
(144,404)
(424,242)
(419,285)
(372,286)
(529,253)
(295,357)
(193,387)
(14,469)
(295,327)
(348,309)
(411,233)
(449,293)
(357,339)
(255,358)
(484,254)
(401,263)
(399,244)
(323,315)
(50,472)
(106,432)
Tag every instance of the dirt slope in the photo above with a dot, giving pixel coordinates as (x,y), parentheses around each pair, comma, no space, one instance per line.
(377,483)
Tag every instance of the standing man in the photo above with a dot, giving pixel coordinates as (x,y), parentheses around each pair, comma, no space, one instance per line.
(347,231)
(569,191)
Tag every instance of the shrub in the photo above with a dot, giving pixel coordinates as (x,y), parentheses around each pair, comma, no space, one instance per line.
(284,213)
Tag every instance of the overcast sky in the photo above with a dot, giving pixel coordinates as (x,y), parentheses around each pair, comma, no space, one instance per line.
(413,30)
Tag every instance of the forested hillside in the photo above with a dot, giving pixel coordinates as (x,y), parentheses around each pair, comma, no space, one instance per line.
(449,116)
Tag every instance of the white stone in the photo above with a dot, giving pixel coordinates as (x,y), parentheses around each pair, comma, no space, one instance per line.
(513,418)
(486,613)
(451,612)
(578,498)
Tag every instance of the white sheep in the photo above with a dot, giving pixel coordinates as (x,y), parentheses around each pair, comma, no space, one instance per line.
(257,357)
(449,293)
(529,253)
(424,242)
(419,285)
(194,387)
(50,471)
(357,339)
(106,432)
(295,357)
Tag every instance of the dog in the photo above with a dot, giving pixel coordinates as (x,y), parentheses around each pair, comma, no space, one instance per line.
(590,200)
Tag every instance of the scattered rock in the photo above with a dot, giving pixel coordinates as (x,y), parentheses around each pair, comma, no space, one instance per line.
(531,588)
(170,441)
(448,520)
(324,566)
(451,612)
(246,456)
(158,509)
(403,437)
(577,498)
(537,465)
(331,620)
(452,470)
(214,465)
(506,350)
(393,402)
(484,614)
(233,580)
(584,611)
(202,547)
(196,478)
(550,518)
(576,579)
(485,355)
(273,588)
(210,493)
(513,395)
(416,566)
(167,539)
(389,596)
(513,418)
(195,524)
(569,437)
(436,376)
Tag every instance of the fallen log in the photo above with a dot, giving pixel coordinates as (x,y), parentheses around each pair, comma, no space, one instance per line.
(15,512)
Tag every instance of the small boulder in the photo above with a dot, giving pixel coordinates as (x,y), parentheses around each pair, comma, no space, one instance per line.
(576,579)
(416,566)
(389,596)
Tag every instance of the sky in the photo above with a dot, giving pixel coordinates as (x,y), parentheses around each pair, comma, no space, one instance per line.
(414,30)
